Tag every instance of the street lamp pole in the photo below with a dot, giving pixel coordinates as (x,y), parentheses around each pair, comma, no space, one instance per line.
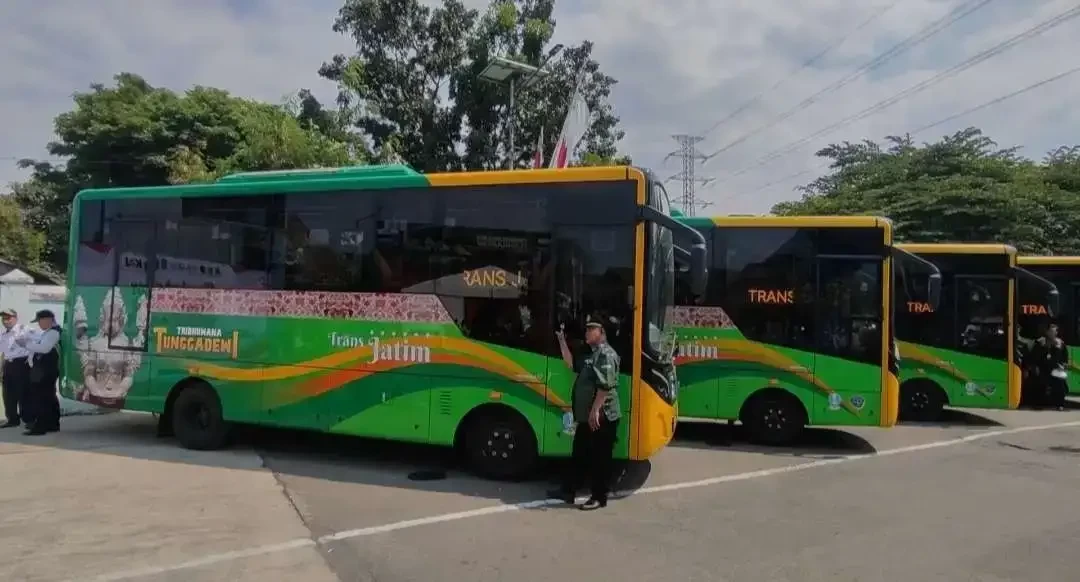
(515,74)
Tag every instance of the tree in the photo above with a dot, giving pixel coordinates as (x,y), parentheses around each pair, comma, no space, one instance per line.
(135,134)
(960,189)
(414,82)
(18,243)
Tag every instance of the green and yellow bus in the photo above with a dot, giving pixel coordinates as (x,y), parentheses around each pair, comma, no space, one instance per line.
(1033,315)
(965,353)
(795,326)
(378,302)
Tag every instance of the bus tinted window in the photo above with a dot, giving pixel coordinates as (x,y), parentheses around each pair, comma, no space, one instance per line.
(218,243)
(117,238)
(850,241)
(974,305)
(981,305)
(323,242)
(769,284)
(849,308)
(489,263)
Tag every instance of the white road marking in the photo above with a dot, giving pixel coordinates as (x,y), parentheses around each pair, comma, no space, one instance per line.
(504,508)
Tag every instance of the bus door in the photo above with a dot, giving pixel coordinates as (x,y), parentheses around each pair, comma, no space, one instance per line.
(981,333)
(850,324)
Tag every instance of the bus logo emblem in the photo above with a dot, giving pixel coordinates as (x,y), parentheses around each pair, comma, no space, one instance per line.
(858,402)
(834,401)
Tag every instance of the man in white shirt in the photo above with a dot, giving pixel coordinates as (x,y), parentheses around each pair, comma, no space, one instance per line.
(16,371)
(44,349)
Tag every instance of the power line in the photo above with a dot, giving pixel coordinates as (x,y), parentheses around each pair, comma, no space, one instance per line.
(981,57)
(920,36)
(805,65)
(993,102)
(953,117)
(690,157)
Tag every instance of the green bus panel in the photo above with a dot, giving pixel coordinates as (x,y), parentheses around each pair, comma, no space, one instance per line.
(719,370)
(393,367)
(968,380)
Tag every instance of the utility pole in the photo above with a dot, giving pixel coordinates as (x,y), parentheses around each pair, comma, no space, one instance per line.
(690,157)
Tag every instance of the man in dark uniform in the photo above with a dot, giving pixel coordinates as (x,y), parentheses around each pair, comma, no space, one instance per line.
(44,350)
(596,415)
(1050,359)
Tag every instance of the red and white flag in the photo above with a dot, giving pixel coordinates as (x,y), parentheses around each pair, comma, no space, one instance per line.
(574,128)
(538,155)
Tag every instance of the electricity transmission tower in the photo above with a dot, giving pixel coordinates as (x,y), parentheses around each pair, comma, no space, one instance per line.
(690,157)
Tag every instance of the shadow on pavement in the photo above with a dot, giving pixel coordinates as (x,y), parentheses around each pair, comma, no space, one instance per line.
(951,417)
(822,443)
(306,454)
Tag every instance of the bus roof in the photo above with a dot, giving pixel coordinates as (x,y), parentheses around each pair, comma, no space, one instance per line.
(767,221)
(398,170)
(958,248)
(362,178)
(1048,261)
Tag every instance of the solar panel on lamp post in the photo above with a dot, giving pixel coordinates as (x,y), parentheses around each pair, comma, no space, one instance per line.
(516,75)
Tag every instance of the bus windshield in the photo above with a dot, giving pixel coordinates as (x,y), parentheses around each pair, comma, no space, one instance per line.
(660,294)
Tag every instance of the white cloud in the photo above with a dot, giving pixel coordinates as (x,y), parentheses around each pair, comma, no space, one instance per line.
(682,66)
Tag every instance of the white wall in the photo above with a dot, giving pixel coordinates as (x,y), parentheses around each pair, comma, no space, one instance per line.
(18,292)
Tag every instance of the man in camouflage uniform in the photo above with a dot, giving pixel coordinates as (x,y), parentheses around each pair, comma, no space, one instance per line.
(595,417)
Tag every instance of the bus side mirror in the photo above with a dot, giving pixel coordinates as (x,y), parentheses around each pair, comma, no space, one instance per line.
(933,290)
(699,268)
(1053,302)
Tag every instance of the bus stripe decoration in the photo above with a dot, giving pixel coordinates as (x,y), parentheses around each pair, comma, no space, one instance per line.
(701,317)
(368,306)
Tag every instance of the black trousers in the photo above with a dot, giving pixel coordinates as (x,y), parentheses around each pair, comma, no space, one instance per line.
(43,404)
(591,459)
(1056,389)
(16,390)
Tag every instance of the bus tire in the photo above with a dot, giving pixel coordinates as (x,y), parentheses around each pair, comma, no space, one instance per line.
(197,419)
(774,418)
(921,400)
(499,443)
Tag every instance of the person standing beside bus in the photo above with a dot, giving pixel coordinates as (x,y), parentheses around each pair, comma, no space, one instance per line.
(1050,358)
(44,350)
(16,373)
(595,409)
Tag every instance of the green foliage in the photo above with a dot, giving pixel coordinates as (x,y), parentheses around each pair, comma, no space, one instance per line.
(595,159)
(135,134)
(414,82)
(18,243)
(960,189)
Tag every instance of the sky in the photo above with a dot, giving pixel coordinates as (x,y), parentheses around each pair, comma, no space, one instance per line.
(682,65)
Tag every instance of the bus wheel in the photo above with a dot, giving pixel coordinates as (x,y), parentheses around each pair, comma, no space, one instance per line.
(774,418)
(197,420)
(499,443)
(921,400)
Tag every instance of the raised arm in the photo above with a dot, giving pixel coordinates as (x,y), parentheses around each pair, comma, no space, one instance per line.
(564,350)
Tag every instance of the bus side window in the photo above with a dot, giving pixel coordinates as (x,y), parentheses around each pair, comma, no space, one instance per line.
(769,284)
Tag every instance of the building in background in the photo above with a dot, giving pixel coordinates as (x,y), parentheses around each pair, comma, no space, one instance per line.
(28,291)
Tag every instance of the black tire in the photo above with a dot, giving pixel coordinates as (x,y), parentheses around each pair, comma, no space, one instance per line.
(197,420)
(921,401)
(774,419)
(500,444)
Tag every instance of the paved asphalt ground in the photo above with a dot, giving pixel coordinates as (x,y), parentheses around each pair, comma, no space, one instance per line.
(986,497)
